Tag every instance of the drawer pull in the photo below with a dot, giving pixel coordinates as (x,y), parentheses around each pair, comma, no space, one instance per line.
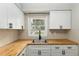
(63,52)
(39,52)
(69,47)
(10,25)
(22,27)
(60,26)
(57,47)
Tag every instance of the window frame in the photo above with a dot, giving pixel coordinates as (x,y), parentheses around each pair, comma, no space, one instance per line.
(30,19)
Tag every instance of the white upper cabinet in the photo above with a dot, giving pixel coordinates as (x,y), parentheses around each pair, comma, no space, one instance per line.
(15,17)
(3,16)
(11,17)
(60,20)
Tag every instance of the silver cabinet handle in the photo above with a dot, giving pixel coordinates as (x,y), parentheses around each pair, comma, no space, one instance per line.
(63,52)
(10,25)
(61,26)
(39,52)
(22,27)
(69,47)
(57,47)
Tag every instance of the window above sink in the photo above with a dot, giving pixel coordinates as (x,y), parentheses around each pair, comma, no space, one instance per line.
(37,22)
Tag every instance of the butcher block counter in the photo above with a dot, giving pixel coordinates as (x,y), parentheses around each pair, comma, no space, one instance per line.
(15,48)
(61,42)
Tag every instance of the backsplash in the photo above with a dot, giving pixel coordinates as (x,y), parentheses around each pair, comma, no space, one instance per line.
(7,36)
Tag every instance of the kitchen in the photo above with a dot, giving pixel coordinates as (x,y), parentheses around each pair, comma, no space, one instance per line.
(39,29)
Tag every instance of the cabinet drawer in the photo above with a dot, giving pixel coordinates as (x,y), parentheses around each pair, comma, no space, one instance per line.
(71,52)
(70,47)
(45,54)
(56,47)
(56,51)
(38,52)
(34,51)
(64,47)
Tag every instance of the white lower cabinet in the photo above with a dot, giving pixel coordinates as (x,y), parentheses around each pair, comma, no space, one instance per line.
(56,50)
(38,50)
(31,52)
(71,50)
(64,50)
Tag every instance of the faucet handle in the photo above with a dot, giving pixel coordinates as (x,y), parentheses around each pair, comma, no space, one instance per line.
(45,41)
(33,41)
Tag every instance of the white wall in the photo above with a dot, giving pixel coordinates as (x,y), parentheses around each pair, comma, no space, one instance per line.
(7,36)
(74,33)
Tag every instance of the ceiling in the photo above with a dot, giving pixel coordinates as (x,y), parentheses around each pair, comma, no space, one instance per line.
(44,7)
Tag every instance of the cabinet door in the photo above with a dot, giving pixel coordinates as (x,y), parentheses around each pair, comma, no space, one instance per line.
(64,50)
(60,20)
(32,52)
(12,16)
(19,18)
(3,15)
(38,50)
(45,52)
(15,17)
(65,19)
(71,50)
(56,50)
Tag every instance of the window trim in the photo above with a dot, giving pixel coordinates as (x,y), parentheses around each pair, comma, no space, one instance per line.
(30,18)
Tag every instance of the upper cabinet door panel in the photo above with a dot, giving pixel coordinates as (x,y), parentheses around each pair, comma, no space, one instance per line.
(3,15)
(15,17)
(54,20)
(20,18)
(58,19)
(12,15)
(65,19)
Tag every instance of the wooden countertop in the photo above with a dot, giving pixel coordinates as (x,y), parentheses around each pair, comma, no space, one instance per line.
(61,42)
(16,47)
